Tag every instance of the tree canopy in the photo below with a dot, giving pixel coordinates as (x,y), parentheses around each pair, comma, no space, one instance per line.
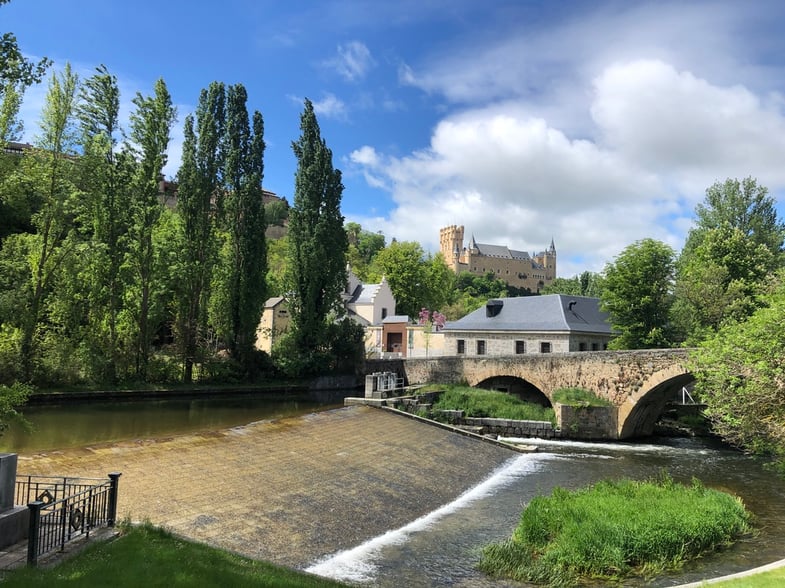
(638,294)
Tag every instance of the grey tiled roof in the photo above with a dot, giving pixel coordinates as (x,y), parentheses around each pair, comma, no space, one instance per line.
(552,312)
(500,251)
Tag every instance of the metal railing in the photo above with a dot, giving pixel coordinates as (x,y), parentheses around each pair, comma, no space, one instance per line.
(63,509)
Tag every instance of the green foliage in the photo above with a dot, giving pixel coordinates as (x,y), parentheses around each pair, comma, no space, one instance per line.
(476,402)
(149,556)
(735,245)
(276,212)
(417,281)
(578,397)
(739,372)
(11,398)
(637,294)
(586,284)
(363,247)
(614,529)
(316,269)
(245,285)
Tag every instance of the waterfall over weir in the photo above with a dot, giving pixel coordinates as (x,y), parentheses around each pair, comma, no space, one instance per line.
(357,565)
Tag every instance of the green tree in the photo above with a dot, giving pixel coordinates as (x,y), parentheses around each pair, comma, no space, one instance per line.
(106,180)
(317,246)
(739,376)
(151,124)
(247,264)
(363,247)
(16,74)
(637,294)
(586,284)
(48,173)
(200,205)
(735,244)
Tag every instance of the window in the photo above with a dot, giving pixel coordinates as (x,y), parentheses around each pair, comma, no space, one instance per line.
(581,346)
(384,313)
(480,347)
(520,347)
(461,346)
(545,347)
(595,347)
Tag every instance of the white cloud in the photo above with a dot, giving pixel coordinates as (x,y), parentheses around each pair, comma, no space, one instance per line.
(353,61)
(330,106)
(660,137)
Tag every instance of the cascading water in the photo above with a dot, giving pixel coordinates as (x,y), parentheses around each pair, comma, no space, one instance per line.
(443,547)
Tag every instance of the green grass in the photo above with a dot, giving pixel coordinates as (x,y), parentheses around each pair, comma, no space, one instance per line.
(615,529)
(771,579)
(476,402)
(578,397)
(148,556)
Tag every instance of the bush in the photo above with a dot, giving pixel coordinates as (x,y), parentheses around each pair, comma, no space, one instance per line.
(476,402)
(578,397)
(614,529)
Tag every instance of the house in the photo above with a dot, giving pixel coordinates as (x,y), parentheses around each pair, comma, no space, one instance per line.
(366,304)
(275,321)
(554,323)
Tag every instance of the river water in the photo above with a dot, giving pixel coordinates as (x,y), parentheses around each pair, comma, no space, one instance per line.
(442,548)
(79,424)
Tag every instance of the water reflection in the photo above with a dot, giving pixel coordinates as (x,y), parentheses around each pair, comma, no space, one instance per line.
(443,548)
(85,423)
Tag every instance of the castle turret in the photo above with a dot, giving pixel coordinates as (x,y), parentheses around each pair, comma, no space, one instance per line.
(451,245)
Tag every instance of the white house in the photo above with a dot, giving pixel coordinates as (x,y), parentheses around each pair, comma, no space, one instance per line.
(554,323)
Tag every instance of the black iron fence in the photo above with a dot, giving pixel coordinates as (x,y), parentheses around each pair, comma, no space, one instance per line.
(63,509)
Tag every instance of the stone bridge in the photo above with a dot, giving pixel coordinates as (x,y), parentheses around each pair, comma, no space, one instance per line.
(638,383)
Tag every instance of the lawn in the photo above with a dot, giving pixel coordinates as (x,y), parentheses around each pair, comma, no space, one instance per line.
(148,556)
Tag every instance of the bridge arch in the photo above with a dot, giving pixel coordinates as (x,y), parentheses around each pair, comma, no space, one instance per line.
(516,386)
(641,410)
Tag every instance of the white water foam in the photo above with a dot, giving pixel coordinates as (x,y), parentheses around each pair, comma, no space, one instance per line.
(614,447)
(356,565)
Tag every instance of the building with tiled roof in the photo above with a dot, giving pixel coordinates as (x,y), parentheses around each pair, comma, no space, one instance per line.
(554,323)
(516,268)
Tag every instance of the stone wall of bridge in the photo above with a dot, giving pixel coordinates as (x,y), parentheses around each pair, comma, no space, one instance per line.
(638,383)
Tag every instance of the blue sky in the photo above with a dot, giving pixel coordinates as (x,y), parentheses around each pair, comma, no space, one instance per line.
(595,123)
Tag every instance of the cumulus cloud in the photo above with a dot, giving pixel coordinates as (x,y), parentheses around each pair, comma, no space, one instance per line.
(353,61)
(661,136)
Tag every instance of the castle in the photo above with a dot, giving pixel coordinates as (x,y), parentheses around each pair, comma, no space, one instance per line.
(517,268)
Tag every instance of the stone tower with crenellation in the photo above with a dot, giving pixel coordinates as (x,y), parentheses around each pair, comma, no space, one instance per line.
(516,268)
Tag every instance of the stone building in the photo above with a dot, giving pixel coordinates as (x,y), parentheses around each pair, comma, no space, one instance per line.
(554,323)
(516,268)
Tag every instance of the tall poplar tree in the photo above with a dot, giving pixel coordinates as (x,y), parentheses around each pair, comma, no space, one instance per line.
(317,244)
(106,218)
(247,264)
(200,204)
(48,174)
(151,125)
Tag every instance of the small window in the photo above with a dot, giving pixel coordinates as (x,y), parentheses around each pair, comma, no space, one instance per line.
(520,347)
(581,346)
(384,313)
(480,347)
(595,347)
(545,347)
(461,346)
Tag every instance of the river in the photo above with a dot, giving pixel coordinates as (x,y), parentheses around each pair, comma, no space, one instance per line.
(442,548)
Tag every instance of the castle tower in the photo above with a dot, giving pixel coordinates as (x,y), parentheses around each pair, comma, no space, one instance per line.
(451,245)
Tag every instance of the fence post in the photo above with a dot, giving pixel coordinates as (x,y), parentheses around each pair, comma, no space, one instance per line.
(112,514)
(33,531)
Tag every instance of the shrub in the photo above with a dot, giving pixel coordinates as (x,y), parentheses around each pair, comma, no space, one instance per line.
(578,397)
(614,529)
(476,402)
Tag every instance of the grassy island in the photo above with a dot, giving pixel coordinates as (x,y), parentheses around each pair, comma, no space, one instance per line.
(615,529)
(476,402)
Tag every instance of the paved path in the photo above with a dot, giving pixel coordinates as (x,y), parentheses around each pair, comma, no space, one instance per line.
(290,491)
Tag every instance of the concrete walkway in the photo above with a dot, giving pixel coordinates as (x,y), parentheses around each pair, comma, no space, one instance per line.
(289,491)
